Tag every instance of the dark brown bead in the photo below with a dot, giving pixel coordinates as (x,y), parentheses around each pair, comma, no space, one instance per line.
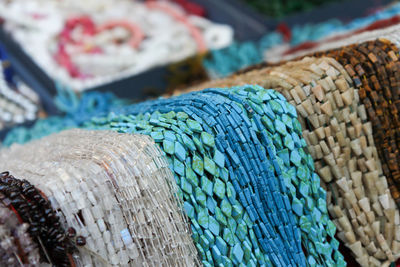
(80,241)
(71,232)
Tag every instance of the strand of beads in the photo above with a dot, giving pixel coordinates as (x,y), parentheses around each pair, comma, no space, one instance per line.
(44,224)
(230,122)
(340,139)
(16,246)
(115,191)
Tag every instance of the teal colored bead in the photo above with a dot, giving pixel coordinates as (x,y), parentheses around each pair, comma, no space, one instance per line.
(207,139)
(305,224)
(207,186)
(276,107)
(251,263)
(268,124)
(302,173)
(222,246)
(157,136)
(295,158)
(200,197)
(201,253)
(188,142)
(210,237)
(199,145)
(229,237)
(170,136)
(220,216)
(209,256)
(237,254)
(209,165)
(304,189)
(184,128)
(202,218)
(179,167)
(170,115)
(182,116)
(219,188)
(180,151)
(168,147)
(194,126)
(230,192)
(198,165)
(247,220)
(226,208)
(330,229)
(322,205)
(237,211)
(191,176)
(189,210)
(232,224)
(195,236)
(288,142)
(219,159)
(213,226)
(297,207)
(284,155)
(186,187)
(311,261)
(280,127)
(204,242)
(241,231)
(226,261)
(216,255)
(287,121)
(224,174)
(247,251)
(259,256)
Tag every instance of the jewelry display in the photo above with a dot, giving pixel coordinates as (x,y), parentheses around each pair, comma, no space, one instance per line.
(84,44)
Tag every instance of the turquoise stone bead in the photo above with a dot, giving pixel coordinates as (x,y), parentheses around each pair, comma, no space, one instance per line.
(191,176)
(219,188)
(237,254)
(216,255)
(204,242)
(207,186)
(157,136)
(202,218)
(194,126)
(219,159)
(180,151)
(209,165)
(200,197)
(198,165)
(189,210)
(229,236)
(179,167)
(213,226)
(168,147)
(207,139)
(226,208)
(222,246)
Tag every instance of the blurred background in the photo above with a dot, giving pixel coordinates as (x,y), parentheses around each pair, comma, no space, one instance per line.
(52,50)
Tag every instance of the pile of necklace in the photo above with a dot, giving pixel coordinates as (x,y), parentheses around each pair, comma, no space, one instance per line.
(84,44)
(18,103)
